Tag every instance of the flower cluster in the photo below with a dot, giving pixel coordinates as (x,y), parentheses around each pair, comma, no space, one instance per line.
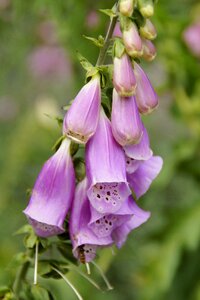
(101,208)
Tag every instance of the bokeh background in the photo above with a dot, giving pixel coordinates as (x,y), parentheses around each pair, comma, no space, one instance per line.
(39,74)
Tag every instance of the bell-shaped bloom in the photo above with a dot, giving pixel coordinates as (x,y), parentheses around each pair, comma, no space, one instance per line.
(191,37)
(148,31)
(149,50)
(103,225)
(146,97)
(132,40)
(52,194)
(81,119)
(142,178)
(126,123)
(84,240)
(123,76)
(106,169)
(126,7)
(139,216)
(140,151)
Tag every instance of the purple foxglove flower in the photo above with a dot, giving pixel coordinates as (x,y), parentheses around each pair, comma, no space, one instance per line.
(146,97)
(191,37)
(139,216)
(81,120)
(148,31)
(132,40)
(106,170)
(126,7)
(142,178)
(140,151)
(123,76)
(126,124)
(117,31)
(52,194)
(103,225)
(84,240)
(149,50)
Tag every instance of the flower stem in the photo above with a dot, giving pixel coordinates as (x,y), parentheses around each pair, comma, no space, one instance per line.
(103,51)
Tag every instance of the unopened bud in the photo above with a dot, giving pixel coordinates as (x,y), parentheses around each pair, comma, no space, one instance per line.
(123,76)
(148,31)
(146,8)
(132,40)
(149,50)
(126,7)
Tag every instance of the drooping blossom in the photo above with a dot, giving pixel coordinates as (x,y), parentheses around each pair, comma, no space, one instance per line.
(103,225)
(191,36)
(126,7)
(126,123)
(123,76)
(81,119)
(139,216)
(106,170)
(132,40)
(142,178)
(148,30)
(138,152)
(84,240)
(146,97)
(52,194)
(149,50)
(49,63)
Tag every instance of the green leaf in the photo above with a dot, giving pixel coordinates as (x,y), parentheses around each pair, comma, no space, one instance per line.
(4,290)
(30,240)
(44,268)
(97,42)
(84,62)
(39,293)
(18,260)
(24,229)
(108,12)
(66,251)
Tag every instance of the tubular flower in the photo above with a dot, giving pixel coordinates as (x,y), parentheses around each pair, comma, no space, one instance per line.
(126,124)
(146,97)
(144,175)
(138,217)
(106,170)
(132,40)
(84,240)
(140,151)
(81,120)
(103,225)
(148,31)
(123,76)
(52,194)
(149,50)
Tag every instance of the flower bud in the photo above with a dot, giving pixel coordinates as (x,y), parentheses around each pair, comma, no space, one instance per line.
(117,31)
(125,120)
(146,8)
(132,40)
(123,76)
(148,31)
(146,97)
(149,50)
(126,7)
(81,119)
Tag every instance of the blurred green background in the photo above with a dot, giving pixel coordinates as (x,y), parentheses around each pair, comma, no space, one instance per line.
(39,74)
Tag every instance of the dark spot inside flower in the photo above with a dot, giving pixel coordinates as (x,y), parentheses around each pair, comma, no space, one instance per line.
(106,228)
(98,196)
(97,221)
(110,223)
(106,221)
(107,198)
(132,159)
(128,162)
(100,187)
(108,193)
(87,251)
